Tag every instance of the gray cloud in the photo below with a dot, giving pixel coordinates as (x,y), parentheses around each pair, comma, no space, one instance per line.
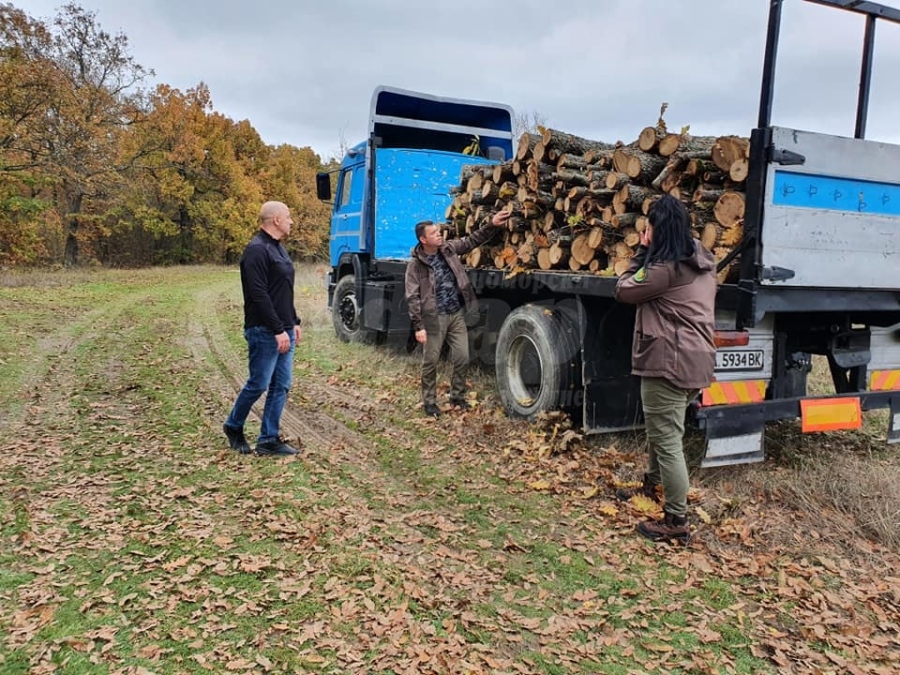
(303,72)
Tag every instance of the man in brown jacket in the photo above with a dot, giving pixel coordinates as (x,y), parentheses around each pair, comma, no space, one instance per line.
(672,280)
(439,295)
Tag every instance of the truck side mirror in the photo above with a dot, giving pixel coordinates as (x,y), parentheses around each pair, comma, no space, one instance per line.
(323,186)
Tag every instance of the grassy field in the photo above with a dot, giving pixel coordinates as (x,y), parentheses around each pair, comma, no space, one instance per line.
(132,541)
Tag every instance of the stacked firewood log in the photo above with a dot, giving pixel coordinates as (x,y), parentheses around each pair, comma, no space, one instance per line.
(580,205)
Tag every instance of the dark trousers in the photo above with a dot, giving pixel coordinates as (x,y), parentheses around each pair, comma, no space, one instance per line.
(450,329)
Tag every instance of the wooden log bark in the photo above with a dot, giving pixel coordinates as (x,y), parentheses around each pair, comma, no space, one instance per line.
(641,165)
(503,173)
(671,181)
(707,193)
(526,144)
(550,199)
(726,150)
(698,166)
(569,143)
(602,158)
(623,220)
(570,161)
(679,143)
(507,190)
(598,176)
(714,177)
(672,165)
(620,160)
(539,176)
(572,177)
(630,197)
(615,180)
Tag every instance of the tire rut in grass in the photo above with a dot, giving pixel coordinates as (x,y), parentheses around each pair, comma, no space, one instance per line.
(317,430)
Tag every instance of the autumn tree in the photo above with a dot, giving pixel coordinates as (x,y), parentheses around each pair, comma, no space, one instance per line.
(85,120)
(189,192)
(28,84)
(291,177)
(136,177)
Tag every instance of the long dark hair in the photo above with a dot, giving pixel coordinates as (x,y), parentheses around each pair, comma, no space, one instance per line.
(672,240)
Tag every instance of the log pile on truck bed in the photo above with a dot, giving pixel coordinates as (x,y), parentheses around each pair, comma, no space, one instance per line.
(580,205)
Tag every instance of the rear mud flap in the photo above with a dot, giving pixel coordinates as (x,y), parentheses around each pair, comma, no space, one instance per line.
(742,449)
(893,435)
(734,439)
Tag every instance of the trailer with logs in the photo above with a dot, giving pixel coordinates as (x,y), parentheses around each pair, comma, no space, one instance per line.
(805,228)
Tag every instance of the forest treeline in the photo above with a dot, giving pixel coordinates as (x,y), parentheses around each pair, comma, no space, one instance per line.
(99,165)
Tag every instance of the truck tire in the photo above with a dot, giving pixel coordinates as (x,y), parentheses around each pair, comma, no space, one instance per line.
(537,361)
(346,314)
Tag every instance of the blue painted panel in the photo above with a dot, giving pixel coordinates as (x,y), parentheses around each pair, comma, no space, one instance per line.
(835,194)
(346,219)
(412,185)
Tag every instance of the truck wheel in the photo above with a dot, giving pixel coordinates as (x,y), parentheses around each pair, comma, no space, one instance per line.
(536,361)
(345,312)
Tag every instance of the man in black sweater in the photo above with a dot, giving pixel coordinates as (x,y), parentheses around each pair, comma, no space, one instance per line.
(272,329)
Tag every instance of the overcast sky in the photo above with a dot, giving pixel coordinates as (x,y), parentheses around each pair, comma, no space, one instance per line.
(303,71)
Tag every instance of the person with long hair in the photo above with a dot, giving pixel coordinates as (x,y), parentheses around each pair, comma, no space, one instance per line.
(672,281)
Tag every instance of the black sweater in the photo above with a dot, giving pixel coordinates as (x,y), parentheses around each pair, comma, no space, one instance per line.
(267,280)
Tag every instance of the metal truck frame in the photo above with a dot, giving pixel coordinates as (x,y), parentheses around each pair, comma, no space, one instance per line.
(819,272)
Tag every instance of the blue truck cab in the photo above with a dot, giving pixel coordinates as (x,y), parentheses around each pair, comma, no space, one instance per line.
(402,173)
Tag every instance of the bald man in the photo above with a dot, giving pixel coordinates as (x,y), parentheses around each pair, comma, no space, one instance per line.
(271,328)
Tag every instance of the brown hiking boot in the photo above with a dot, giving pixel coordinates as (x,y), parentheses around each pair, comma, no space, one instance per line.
(647,489)
(670,528)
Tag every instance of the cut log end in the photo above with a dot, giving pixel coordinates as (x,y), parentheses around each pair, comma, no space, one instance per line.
(647,139)
(729,209)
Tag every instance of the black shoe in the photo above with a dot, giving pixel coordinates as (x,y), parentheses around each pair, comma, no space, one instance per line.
(236,439)
(460,404)
(431,410)
(275,447)
(647,489)
(670,528)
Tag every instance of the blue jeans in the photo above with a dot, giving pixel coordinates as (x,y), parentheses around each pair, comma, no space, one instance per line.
(270,372)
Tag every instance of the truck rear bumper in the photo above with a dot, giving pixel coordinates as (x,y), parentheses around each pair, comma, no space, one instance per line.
(734,433)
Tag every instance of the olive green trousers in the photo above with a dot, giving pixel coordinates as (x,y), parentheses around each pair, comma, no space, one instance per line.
(664,407)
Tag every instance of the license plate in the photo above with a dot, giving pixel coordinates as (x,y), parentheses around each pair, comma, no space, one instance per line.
(740,359)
